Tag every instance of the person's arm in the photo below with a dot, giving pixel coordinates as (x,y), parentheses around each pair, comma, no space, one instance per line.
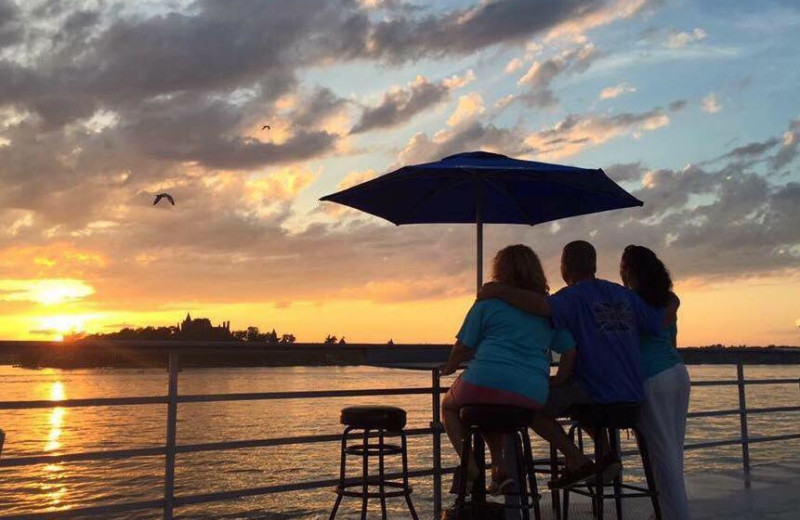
(671,310)
(458,355)
(467,339)
(566,367)
(528,301)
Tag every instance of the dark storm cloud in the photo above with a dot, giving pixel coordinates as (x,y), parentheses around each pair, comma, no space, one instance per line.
(400,105)
(752,150)
(11,24)
(322,103)
(184,128)
(465,31)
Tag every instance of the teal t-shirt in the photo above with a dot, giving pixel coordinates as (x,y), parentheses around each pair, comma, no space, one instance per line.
(512,348)
(659,352)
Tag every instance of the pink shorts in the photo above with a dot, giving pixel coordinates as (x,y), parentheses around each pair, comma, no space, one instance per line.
(464,393)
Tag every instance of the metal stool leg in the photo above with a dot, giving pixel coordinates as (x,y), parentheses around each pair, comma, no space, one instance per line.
(648,472)
(615,454)
(555,499)
(466,447)
(406,487)
(599,452)
(381,487)
(365,476)
(519,457)
(342,467)
(531,470)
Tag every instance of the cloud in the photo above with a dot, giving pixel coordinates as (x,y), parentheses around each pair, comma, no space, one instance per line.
(603,14)
(577,132)
(677,105)
(616,91)
(752,150)
(469,106)
(11,24)
(677,39)
(400,104)
(711,104)
(489,23)
(44,291)
(541,75)
(513,66)
(790,146)
(622,172)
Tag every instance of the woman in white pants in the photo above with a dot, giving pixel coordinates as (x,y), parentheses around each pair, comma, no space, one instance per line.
(666,386)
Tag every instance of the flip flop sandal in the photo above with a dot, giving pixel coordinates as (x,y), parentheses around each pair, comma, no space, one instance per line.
(454,489)
(586,472)
(501,488)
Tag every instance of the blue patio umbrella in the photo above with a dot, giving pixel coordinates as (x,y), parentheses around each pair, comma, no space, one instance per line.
(485,188)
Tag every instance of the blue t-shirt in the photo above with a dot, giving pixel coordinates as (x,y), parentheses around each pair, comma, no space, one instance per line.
(512,348)
(659,352)
(606,320)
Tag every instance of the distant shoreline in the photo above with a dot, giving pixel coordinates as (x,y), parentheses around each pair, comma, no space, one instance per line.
(113,354)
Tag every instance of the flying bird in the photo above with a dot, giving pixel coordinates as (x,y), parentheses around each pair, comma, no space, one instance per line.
(164,196)
(266,127)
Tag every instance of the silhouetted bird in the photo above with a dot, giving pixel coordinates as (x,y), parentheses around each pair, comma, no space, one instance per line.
(266,127)
(164,196)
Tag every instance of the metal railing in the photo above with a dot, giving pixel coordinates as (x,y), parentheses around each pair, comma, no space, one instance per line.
(397,356)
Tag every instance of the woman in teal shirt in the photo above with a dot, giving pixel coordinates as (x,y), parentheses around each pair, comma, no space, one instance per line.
(666,385)
(510,355)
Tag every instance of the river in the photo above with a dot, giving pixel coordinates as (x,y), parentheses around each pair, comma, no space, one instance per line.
(46,487)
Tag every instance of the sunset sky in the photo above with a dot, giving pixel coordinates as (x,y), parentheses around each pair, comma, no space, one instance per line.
(693,106)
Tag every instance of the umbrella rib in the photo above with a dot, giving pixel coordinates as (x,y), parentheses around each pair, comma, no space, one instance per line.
(512,198)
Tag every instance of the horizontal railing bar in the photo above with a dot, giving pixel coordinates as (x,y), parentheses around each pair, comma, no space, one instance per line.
(713,413)
(735,382)
(88,511)
(716,382)
(284,488)
(75,403)
(789,381)
(186,448)
(200,398)
(279,441)
(774,438)
(7,462)
(736,411)
(310,394)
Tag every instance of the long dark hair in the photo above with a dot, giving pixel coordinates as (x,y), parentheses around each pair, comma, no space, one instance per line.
(653,282)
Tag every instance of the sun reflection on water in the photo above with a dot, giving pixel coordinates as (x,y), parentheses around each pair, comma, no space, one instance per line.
(53,473)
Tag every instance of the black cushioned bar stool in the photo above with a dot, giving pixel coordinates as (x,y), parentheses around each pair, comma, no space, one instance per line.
(368,420)
(508,420)
(605,421)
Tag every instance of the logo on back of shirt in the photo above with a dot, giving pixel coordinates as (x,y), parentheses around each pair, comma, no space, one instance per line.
(613,316)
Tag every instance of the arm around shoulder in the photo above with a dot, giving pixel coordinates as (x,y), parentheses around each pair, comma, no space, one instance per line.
(528,301)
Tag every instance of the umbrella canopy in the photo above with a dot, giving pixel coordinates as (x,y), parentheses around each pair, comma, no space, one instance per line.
(483,187)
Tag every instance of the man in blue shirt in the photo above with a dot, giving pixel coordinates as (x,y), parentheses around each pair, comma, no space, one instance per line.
(606,320)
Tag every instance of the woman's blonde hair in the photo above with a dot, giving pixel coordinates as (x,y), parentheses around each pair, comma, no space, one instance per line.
(518,266)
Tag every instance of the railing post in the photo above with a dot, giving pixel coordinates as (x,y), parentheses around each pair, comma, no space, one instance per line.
(172,429)
(436,426)
(743,422)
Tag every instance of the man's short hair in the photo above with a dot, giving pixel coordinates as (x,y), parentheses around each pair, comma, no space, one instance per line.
(579,257)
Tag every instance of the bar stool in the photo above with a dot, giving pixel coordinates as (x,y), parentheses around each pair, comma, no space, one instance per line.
(383,420)
(507,420)
(605,421)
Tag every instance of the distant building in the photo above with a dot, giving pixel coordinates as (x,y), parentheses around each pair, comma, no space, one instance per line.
(201,328)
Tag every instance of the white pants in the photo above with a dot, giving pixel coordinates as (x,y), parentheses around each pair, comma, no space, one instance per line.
(663,424)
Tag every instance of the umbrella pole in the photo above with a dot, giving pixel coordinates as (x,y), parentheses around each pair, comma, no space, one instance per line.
(479,234)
